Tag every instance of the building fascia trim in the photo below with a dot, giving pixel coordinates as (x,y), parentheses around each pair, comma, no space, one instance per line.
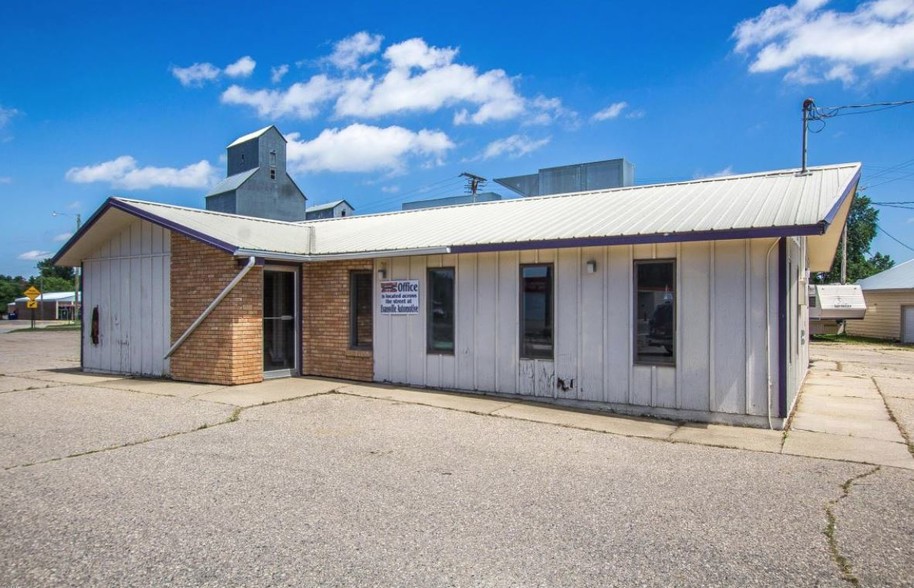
(758,233)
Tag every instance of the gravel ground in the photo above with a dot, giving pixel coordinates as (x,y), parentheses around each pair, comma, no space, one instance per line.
(346,491)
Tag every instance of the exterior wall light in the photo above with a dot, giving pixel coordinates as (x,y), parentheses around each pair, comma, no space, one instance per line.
(382,273)
(591,267)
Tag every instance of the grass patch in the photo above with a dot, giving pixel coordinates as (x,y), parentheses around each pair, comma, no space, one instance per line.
(65,327)
(854,340)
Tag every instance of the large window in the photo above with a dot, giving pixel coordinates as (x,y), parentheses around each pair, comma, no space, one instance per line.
(441,310)
(360,321)
(536,310)
(655,312)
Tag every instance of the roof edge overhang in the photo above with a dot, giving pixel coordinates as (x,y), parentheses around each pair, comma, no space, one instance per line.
(821,248)
(720,235)
(300,257)
(114,203)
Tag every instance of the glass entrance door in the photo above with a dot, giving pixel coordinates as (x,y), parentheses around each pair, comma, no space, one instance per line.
(280,349)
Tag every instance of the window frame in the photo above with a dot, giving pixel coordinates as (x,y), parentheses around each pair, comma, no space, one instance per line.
(675,337)
(522,315)
(353,310)
(429,308)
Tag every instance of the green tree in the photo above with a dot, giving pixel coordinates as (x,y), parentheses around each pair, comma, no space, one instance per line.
(47,269)
(52,284)
(861,230)
(11,288)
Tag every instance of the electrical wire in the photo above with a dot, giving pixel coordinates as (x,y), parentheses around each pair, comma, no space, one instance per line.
(819,114)
(884,232)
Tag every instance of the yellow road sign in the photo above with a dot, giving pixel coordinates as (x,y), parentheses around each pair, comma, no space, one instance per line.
(32,293)
(31,304)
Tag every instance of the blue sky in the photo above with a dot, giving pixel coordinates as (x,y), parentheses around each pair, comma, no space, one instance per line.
(385,102)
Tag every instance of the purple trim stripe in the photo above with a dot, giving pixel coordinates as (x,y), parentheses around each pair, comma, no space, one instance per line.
(782,328)
(793,231)
(172,226)
(157,220)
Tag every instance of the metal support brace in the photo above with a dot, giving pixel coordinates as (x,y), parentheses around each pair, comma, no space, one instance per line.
(212,306)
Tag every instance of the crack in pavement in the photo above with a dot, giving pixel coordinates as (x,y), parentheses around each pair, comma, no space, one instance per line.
(843,563)
(232,418)
(901,429)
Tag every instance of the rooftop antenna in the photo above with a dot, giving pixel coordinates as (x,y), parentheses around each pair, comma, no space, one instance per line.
(474,182)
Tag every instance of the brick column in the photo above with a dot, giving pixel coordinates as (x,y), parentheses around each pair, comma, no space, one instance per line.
(227,348)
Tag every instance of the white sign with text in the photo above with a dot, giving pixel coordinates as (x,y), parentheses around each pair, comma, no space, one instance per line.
(400,297)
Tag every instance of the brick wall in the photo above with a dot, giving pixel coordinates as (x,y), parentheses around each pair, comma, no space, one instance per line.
(227,348)
(325,328)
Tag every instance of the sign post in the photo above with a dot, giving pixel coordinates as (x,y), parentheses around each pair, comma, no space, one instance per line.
(32,293)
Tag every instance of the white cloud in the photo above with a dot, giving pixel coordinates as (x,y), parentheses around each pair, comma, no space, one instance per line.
(727,171)
(610,112)
(242,68)
(278,73)
(62,237)
(635,114)
(6,115)
(423,78)
(6,180)
(196,74)
(34,255)
(301,100)
(390,189)
(199,73)
(814,44)
(410,76)
(348,52)
(513,146)
(363,148)
(124,172)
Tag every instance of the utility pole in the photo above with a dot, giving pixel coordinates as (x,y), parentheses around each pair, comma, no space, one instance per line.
(808,105)
(76,276)
(474,182)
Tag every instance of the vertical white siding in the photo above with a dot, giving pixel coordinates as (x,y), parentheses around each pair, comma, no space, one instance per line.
(721,362)
(128,280)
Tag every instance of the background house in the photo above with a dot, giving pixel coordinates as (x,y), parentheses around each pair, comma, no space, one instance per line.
(889,305)
(335,209)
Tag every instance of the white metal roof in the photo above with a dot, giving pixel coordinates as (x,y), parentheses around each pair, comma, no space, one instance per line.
(319,207)
(776,203)
(900,277)
(232,182)
(250,136)
(50,297)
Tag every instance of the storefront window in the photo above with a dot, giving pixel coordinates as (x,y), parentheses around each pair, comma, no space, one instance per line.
(441,310)
(360,317)
(655,312)
(536,310)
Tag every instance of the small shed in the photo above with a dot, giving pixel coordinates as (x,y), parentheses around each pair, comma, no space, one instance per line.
(890,305)
(335,209)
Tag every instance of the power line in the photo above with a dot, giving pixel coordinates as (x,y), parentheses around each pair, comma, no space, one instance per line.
(884,232)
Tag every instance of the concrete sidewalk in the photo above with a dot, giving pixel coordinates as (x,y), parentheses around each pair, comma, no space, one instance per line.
(839,416)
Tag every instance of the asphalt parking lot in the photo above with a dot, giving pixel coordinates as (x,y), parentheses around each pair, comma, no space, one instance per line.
(105,483)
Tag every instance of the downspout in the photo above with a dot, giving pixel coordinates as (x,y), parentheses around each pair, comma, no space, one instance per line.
(212,306)
(768,324)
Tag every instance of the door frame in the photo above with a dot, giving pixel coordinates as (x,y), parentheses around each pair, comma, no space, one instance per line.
(296,320)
